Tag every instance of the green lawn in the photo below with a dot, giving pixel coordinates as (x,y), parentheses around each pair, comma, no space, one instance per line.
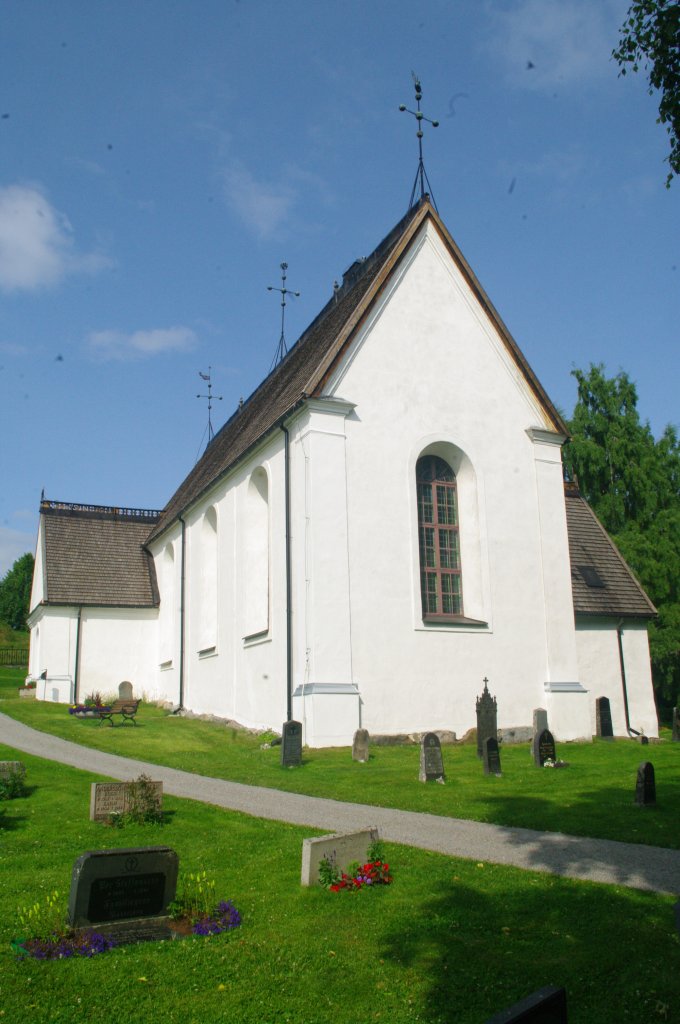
(449,941)
(594,796)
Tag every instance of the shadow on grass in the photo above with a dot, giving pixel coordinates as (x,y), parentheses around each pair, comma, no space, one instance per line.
(488,949)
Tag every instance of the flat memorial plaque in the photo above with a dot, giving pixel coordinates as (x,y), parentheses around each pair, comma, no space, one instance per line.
(291,744)
(9,768)
(546,1006)
(431,762)
(109,886)
(107,798)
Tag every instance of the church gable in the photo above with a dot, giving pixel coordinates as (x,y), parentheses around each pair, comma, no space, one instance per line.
(95,556)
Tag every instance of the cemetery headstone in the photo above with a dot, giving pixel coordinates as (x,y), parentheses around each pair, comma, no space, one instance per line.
(431,763)
(112,798)
(645,787)
(125,690)
(543,748)
(546,1006)
(341,847)
(487,718)
(360,745)
(291,744)
(540,720)
(492,756)
(644,740)
(118,887)
(10,768)
(676,725)
(676,908)
(603,719)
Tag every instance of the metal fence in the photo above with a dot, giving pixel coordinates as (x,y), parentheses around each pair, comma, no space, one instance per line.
(14,657)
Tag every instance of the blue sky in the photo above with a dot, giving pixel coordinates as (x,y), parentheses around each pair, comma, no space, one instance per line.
(160,159)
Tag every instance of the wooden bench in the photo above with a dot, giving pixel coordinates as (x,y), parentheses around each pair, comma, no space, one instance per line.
(127,709)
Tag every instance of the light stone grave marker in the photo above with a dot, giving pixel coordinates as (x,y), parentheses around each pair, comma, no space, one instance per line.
(340,847)
(540,720)
(125,690)
(431,763)
(360,745)
(10,768)
(107,798)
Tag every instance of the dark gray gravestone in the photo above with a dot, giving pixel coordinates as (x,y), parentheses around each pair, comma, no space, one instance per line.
(291,744)
(543,748)
(540,720)
(492,756)
(431,763)
(125,690)
(487,718)
(676,725)
(546,1006)
(112,886)
(643,740)
(360,745)
(645,787)
(603,719)
(676,908)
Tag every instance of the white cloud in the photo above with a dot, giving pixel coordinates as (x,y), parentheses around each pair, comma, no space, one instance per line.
(36,242)
(108,345)
(263,206)
(13,544)
(567,42)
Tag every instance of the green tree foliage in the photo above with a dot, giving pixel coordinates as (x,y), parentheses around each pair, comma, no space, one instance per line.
(632,482)
(15,592)
(650,36)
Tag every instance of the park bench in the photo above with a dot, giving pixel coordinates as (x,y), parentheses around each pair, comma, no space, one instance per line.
(127,709)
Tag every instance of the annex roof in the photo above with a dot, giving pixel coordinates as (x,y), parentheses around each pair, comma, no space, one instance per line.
(306,367)
(95,556)
(602,583)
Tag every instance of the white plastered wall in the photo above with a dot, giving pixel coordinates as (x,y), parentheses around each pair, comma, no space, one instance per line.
(600,669)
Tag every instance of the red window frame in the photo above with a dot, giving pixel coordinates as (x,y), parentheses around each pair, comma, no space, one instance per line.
(441,584)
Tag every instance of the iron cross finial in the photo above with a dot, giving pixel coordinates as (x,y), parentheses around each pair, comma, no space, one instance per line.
(421,173)
(282,347)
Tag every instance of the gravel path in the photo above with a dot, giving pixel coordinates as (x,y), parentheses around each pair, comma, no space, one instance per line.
(594,860)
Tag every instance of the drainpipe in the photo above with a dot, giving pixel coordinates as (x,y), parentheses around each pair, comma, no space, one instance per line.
(619,636)
(181,614)
(289,611)
(76,671)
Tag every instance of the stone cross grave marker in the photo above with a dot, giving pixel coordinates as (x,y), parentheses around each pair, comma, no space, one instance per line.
(676,725)
(360,745)
(492,756)
(645,787)
(107,798)
(10,768)
(125,690)
(546,1006)
(291,744)
(543,748)
(431,763)
(122,887)
(603,719)
(487,718)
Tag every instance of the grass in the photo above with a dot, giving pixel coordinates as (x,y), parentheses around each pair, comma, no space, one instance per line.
(594,796)
(13,637)
(450,940)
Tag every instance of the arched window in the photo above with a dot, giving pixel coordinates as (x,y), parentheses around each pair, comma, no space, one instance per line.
(256,611)
(207,594)
(438,539)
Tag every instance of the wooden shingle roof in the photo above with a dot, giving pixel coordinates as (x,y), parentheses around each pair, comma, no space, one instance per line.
(305,369)
(602,583)
(95,556)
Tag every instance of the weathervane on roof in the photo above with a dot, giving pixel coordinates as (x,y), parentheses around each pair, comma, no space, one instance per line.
(210,397)
(282,347)
(421,173)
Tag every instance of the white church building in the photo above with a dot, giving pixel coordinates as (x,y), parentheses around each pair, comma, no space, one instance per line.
(382,524)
